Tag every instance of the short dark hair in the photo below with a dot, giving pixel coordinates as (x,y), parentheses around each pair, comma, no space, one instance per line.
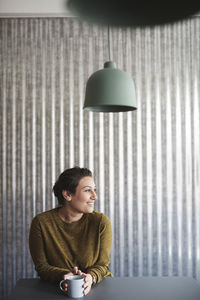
(68,181)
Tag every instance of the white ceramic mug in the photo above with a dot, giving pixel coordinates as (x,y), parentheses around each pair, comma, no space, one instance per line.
(74,286)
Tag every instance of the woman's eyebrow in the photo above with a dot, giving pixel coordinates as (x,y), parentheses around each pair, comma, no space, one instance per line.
(88,186)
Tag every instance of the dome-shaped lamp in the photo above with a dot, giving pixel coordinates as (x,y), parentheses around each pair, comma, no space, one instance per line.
(132,13)
(110,90)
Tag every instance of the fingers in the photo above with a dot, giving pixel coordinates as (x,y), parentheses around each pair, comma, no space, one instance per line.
(88,283)
(75,270)
(67,275)
(84,275)
(79,272)
(87,289)
(65,286)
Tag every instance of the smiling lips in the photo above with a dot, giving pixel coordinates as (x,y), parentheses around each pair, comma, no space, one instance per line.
(90,203)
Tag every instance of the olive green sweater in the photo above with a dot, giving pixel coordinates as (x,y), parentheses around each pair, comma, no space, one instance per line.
(56,247)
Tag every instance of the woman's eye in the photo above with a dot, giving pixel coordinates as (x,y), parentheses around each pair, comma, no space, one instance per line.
(89,190)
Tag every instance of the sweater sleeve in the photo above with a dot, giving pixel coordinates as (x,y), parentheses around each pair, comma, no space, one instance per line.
(101,267)
(37,250)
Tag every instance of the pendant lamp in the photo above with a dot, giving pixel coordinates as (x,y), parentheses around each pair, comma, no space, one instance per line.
(132,12)
(110,89)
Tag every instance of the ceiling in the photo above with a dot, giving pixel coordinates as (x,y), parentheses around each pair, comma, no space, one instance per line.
(34,8)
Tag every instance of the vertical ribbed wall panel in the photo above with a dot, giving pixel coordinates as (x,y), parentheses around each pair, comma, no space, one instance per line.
(146,163)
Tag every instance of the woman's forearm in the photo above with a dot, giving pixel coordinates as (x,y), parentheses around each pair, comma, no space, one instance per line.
(50,273)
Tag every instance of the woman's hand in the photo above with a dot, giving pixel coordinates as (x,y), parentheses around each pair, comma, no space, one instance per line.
(88,283)
(75,271)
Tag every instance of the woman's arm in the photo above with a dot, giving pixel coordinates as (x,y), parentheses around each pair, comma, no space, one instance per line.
(95,273)
(101,268)
(36,245)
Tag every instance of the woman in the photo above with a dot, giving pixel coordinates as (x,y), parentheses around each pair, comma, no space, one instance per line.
(72,238)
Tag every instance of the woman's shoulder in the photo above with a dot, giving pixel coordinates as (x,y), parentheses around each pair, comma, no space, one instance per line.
(46,215)
(98,216)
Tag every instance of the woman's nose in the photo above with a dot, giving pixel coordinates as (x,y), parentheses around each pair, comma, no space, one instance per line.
(94,195)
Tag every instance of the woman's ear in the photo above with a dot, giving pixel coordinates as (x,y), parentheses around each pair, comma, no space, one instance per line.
(66,195)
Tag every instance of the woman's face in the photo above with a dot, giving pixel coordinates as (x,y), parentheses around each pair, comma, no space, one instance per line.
(83,199)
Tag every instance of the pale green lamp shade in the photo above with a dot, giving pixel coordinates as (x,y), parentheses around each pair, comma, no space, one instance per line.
(110,90)
(132,12)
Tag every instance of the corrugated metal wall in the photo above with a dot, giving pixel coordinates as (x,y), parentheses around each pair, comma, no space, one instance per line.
(146,163)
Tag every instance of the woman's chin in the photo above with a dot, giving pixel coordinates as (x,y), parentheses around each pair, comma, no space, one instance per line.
(90,209)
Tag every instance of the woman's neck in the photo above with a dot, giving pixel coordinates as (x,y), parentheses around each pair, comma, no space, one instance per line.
(68,215)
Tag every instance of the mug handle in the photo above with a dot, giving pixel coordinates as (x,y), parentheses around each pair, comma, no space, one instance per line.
(61,282)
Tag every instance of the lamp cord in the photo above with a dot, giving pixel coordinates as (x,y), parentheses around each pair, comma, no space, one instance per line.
(109,43)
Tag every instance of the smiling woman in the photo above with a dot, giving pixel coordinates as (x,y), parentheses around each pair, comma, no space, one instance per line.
(72,238)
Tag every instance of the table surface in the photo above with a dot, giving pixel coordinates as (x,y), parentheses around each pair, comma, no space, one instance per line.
(126,288)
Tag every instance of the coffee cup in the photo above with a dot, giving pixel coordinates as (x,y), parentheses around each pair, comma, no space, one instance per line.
(75,287)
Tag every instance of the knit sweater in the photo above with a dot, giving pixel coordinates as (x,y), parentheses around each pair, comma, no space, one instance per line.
(56,247)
